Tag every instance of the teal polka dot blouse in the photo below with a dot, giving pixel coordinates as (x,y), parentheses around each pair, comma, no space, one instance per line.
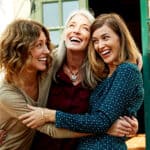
(118,95)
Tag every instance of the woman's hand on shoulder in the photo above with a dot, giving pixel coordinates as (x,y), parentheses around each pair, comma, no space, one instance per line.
(139,61)
(37,116)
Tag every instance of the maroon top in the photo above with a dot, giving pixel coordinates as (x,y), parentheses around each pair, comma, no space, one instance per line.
(68,98)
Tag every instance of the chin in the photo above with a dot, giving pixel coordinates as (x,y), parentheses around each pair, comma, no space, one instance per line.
(106,61)
(42,68)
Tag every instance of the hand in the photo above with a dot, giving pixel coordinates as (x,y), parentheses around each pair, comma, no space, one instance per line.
(3,135)
(134,125)
(37,116)
(139,61)
(124,126)
(34,118)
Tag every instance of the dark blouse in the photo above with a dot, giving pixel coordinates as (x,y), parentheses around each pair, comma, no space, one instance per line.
(66,97)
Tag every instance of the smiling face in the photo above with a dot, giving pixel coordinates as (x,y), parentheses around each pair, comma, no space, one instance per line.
(107,44)
(39,54)
(77,33)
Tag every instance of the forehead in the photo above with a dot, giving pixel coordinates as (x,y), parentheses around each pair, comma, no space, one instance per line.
(80,18)
(105,29)
(42,36)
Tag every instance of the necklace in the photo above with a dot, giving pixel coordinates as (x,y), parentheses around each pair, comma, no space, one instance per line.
(73,76)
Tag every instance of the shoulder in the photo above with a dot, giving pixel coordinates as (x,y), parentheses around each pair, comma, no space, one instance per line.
(13,100)
(128,68)
(9,94)
(129,72)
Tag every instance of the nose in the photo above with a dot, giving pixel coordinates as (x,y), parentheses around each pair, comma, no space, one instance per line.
(45,49)
(101,44)
(76,29)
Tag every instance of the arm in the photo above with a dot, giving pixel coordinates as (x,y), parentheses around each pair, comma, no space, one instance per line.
(54,132)
(12,103)
(16,105)
(49,113)
(123,95)
(122,126)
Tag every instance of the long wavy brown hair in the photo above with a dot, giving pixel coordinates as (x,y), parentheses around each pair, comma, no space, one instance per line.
(15,44)
(128,52)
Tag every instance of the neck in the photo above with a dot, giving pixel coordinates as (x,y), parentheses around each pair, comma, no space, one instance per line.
(28,77)
(112,68)
(29,83)
(74,60)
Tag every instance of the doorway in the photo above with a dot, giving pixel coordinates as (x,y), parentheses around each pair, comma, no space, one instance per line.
(130,11)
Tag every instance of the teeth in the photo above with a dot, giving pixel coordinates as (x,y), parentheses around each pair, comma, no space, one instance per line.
(105,52)
(75,39)
(43,59)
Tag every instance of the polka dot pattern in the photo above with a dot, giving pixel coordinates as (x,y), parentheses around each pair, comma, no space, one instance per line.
(119,95)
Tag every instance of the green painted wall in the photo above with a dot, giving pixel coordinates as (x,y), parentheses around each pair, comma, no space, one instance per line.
(146,66)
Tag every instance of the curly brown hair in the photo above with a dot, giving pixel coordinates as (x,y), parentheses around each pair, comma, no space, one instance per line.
(16,41)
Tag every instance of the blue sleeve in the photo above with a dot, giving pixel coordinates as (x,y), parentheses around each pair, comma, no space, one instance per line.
(126,93)
(126,89)
(88,123)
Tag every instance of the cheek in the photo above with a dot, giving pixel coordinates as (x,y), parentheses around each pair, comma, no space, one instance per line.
(117,43)
(87,37)
(34,56)
(95,46)
(34,53)
(86,42)
(96,51)
(117,48)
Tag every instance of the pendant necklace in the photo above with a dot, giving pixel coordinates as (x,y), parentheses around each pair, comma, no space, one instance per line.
(74,76)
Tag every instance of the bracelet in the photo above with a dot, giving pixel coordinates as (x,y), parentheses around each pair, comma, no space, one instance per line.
(42,113)
(45,115)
